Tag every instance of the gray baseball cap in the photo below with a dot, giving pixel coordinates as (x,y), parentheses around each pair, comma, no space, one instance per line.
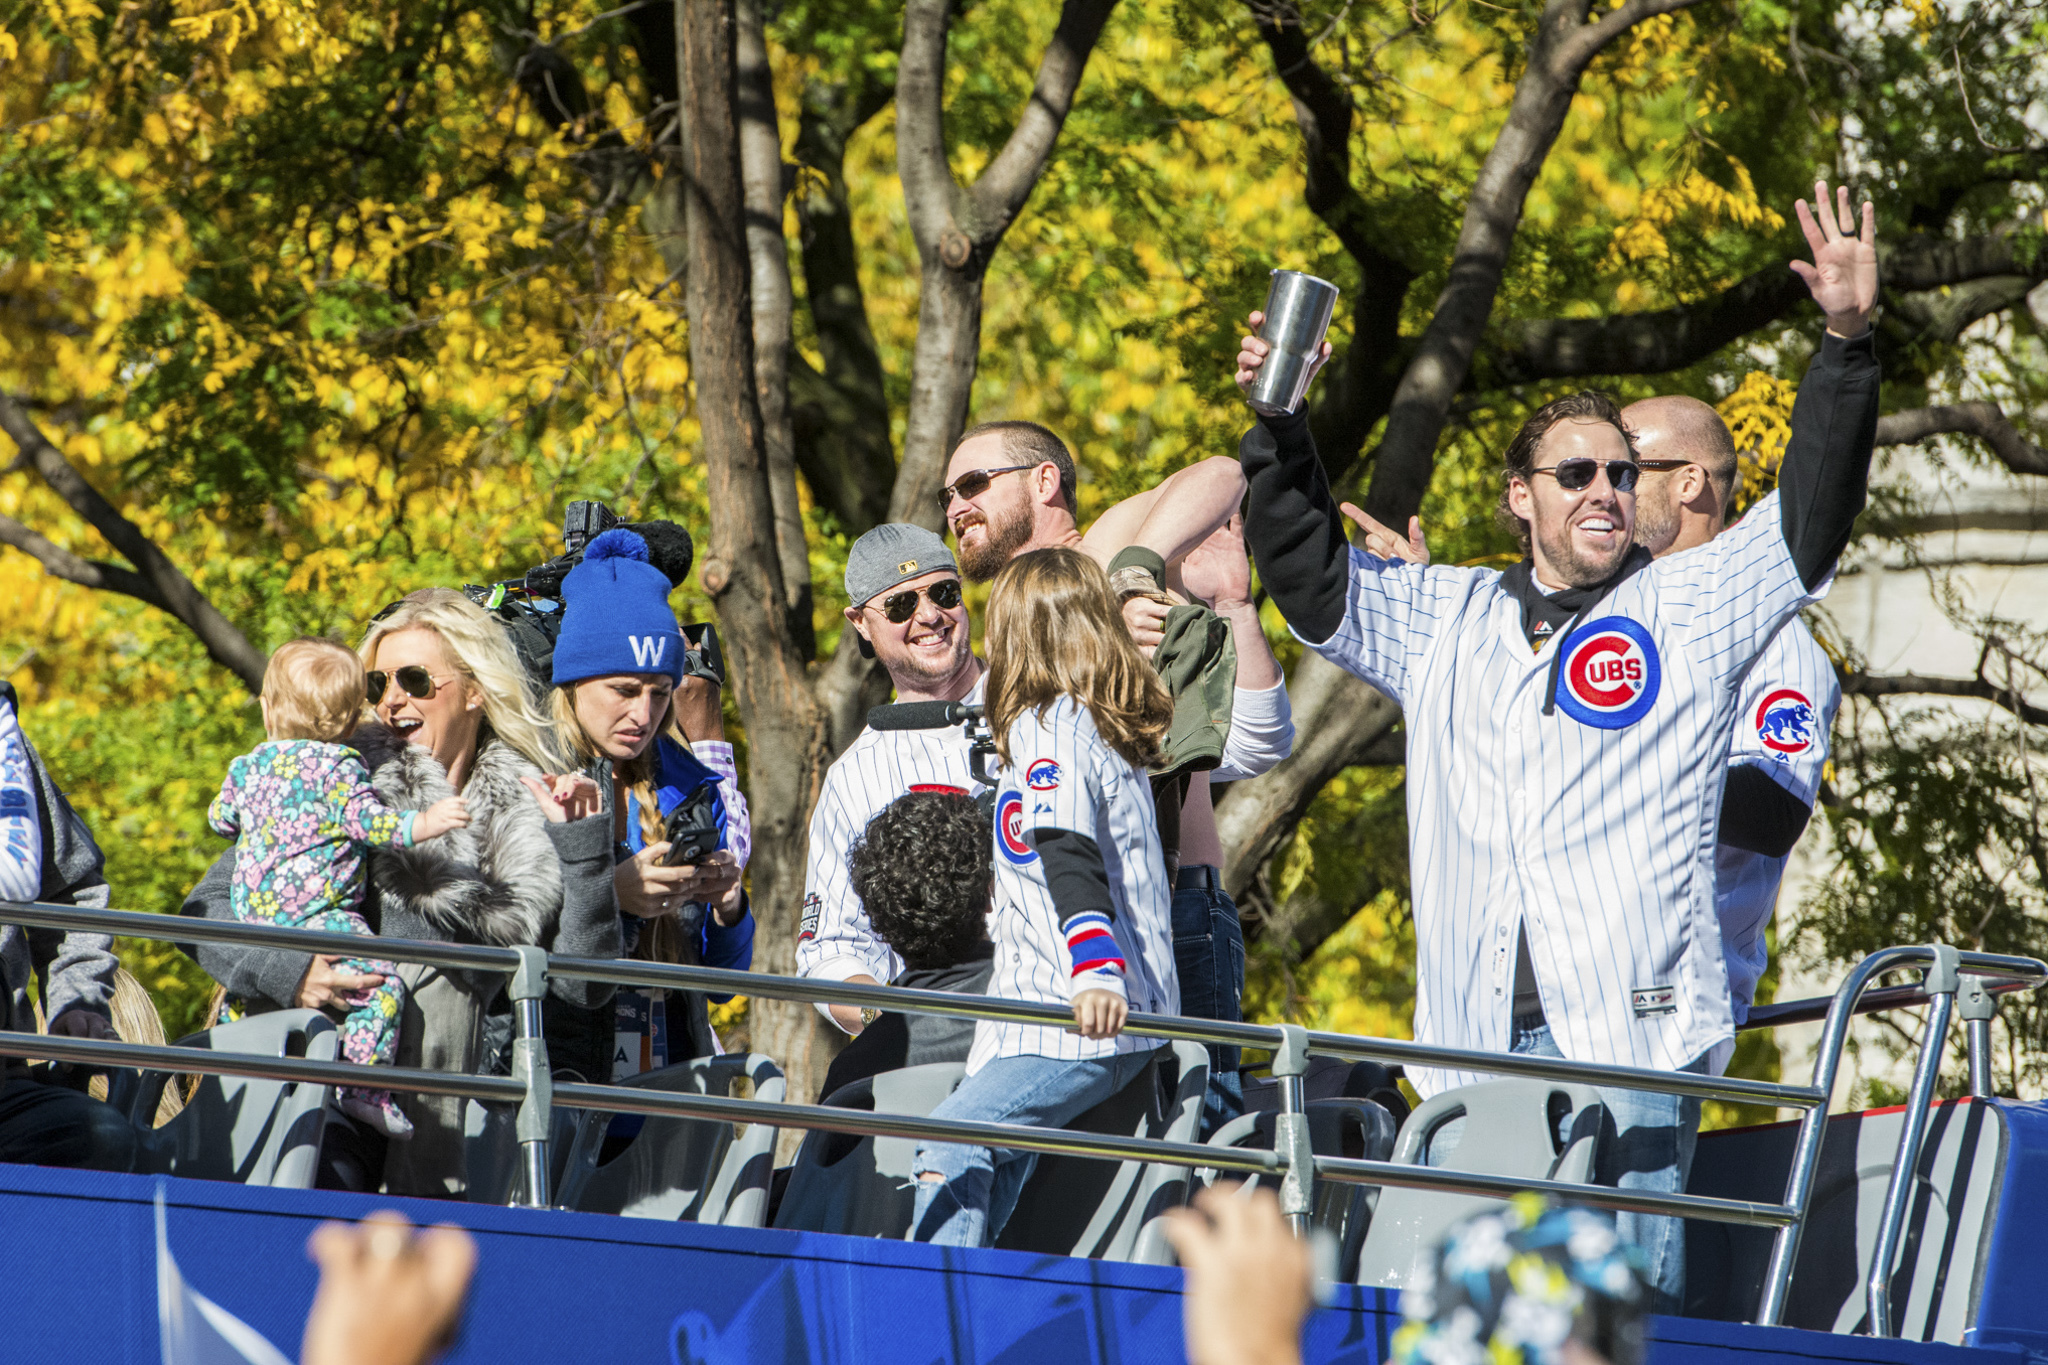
(889,554)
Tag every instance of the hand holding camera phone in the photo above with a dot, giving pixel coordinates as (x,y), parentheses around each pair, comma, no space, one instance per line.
(692,829)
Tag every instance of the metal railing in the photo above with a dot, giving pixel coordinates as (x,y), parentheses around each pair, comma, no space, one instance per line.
(1977,977)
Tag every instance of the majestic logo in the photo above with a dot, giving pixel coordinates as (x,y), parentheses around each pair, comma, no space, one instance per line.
(1650,1001)
(1610,676)
(1785,722)
(648,649)
(1043,775)
(1010,830)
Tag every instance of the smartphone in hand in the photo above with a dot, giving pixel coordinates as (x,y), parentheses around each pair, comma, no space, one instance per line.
(692,829)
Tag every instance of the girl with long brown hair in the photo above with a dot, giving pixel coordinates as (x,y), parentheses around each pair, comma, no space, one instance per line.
(1082,913)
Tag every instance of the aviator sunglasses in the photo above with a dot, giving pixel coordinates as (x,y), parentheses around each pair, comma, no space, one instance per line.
(413,680)
(975,482)
(899,607)
(1575,476)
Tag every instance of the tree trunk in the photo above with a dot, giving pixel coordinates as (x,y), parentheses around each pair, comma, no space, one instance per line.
(1338,721)
(743,572)
(941,383)
(957,229)
(774,305)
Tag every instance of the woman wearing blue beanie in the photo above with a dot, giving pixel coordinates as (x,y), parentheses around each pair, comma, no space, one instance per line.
(618,664)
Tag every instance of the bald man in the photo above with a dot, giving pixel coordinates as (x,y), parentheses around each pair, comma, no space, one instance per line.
(1690,475)
(1689,480)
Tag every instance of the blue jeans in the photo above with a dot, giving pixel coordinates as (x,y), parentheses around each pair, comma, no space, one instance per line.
(978,1186)
(1208,957)
(1646,1144)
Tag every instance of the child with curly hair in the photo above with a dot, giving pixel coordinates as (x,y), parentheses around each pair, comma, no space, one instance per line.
(301,810)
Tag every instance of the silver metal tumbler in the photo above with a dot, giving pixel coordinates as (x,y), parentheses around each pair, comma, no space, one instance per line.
(1298,309)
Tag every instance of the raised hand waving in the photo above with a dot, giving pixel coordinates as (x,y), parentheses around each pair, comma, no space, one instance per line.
(1843,273)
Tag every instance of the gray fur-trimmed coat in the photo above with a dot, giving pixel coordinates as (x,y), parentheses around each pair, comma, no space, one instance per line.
(511,877)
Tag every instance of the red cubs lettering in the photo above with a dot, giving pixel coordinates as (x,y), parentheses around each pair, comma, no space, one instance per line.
(1606,671)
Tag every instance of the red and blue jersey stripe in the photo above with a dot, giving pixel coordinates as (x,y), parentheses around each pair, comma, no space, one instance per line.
(1092,946)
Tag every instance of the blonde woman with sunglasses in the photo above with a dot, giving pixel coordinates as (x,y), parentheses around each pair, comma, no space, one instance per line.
(449,714)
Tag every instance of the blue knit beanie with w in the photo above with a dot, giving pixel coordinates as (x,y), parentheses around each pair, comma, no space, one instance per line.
(615,615)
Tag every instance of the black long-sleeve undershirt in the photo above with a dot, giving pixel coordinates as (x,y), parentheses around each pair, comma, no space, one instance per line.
(1298,536)
(1758,815)
(1075,874)
(1293,526)
(1825,479)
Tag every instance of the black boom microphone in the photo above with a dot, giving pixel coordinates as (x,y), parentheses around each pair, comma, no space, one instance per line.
(922,715)
(668,548)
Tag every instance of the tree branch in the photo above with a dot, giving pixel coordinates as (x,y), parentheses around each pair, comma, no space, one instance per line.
(87,573)
(1942,315)
(998,195)
(1563,45)
(1527,349)
(1985,421)
(1915,684)
(1339,722)
(161,583)
(1355,393)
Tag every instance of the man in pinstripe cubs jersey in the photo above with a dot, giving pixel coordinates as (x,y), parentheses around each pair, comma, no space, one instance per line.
(908,610)
(1690,472)
(1789,700)
(1564,784)
(1082,915)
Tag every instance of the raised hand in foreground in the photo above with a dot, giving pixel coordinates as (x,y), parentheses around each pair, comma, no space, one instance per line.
(387,1296)
(1250,1281)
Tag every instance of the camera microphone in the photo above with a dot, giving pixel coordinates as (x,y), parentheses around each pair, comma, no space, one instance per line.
(669,549)
(922,715)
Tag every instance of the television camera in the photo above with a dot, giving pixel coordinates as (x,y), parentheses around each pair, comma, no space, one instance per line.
(530,606)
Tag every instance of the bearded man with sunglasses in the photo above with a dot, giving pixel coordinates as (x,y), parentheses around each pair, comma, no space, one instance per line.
(905,604)
(1689,476)
(1564,785)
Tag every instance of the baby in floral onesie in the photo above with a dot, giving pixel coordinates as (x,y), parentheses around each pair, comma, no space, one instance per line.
(301,810)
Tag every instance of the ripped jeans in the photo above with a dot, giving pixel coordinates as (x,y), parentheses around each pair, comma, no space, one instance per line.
(978,1188)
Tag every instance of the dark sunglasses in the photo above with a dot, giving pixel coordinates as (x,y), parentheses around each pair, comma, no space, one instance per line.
(1575,476)
(1662,466)
(975,482)
(413,680)
(901,606)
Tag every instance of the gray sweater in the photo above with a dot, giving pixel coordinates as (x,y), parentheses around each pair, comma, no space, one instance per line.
(511,877)
(73,971)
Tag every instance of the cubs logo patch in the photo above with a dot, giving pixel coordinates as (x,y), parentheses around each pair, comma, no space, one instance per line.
(1786,723)
(1043,775)
(1610,676)
(807,926)
(1010,830)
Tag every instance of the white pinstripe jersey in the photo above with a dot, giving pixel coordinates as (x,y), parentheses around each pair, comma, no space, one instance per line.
(1063,776)
(834,939)
(1782,726)
(1595,825)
